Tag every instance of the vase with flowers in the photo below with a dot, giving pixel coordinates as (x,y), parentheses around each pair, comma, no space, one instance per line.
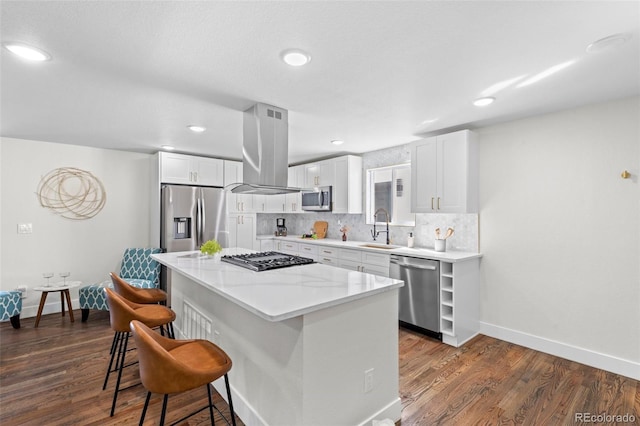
(212,249)
(344,231)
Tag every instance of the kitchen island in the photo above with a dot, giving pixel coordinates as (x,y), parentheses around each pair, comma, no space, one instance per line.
(311,344)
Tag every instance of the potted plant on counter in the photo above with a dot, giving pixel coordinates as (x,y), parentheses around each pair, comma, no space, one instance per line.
(212,249)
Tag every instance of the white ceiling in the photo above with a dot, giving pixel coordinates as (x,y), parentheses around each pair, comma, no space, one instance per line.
(132,75)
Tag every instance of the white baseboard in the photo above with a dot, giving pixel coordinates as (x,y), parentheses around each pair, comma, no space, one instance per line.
(392,411)
(573,353)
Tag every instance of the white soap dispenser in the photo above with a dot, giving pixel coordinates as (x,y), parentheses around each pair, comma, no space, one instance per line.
(410,240)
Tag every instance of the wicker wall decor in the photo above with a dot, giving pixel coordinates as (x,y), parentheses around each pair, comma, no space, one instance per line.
(72,193)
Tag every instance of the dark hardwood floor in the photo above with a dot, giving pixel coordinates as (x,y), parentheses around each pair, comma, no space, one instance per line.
(53,375)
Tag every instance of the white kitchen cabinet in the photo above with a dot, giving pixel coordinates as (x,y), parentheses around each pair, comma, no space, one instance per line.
(444,174)
(269,203)
(459,301)
(191,170)
(321,173)
(242,230)
(347,190)
(293,201)
(236,203)
(267,245)
(364,261)
(309,251)
(288,247)
(328,255)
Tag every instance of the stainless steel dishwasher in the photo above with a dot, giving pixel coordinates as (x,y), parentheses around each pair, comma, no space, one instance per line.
(419,299)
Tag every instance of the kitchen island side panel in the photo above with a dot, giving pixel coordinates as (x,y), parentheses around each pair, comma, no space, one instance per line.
(300,370)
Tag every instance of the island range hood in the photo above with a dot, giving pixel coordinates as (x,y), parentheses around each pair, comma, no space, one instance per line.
(265,152)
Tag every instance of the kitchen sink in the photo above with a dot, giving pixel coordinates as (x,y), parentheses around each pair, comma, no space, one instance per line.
(379,246)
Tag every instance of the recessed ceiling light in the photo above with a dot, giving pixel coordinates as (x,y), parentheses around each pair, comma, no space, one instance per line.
(429,121)
(196,128)
(608,42)
(484,101)
(337,142)
(27,52)
(546,73)
(295,57)
(167,147)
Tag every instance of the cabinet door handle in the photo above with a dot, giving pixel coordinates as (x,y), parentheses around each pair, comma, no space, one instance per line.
(431,203)
(438,203)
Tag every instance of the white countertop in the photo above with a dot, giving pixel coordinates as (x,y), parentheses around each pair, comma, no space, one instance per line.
(277,294)
(425,253)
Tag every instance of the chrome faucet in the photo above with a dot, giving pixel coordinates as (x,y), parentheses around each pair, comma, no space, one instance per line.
(375,233)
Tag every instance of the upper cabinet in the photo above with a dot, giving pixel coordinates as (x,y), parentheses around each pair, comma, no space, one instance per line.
(236,203)
(321,173)
(191,170)
(444,174)
(347,189)
(293,201)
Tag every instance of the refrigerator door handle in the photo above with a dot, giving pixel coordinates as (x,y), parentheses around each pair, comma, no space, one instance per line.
(198,222)
(203,217)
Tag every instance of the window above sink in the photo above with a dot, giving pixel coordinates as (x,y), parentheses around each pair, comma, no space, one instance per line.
(389,188)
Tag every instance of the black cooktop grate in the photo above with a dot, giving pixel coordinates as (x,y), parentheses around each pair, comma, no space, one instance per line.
(266,260)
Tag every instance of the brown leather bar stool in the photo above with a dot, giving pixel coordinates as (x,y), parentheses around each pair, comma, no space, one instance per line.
(171,366)
(121,313)
(135,294)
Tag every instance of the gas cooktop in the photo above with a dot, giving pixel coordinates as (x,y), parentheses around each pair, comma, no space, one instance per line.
(266,260)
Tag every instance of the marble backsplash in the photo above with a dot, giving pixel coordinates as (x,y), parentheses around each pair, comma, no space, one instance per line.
(465,237)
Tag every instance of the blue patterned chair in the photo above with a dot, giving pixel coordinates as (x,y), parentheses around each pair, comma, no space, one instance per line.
(11,307)
(138,269)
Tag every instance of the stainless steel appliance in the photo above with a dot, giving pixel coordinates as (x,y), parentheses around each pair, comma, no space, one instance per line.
(265,152)
(419,298)
(317,199)
(190,216)
(281,229)
(265,261)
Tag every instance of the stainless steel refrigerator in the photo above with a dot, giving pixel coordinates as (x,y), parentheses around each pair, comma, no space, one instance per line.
(190,216)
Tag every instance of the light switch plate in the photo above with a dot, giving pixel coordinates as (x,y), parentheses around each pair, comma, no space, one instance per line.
(25,228)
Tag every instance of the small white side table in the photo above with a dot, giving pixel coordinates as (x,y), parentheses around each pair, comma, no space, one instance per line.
(64,293)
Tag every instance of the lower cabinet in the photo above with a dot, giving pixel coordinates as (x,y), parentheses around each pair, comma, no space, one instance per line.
(364,261)
(287,247)
(309,251)
(459,301)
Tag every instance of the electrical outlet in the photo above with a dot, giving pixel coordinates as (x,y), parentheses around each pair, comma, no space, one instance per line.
(25,228)
(368,380)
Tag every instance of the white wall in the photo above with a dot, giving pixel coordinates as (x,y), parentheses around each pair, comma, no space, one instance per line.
(89,249)
(560,232)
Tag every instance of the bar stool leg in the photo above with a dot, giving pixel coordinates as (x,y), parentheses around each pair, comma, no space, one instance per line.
(226,383)
(213,422)
(144,410)
(164,409)
(119,366)
(116,339)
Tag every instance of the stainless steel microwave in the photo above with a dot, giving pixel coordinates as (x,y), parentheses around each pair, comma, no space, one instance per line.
(318,199)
